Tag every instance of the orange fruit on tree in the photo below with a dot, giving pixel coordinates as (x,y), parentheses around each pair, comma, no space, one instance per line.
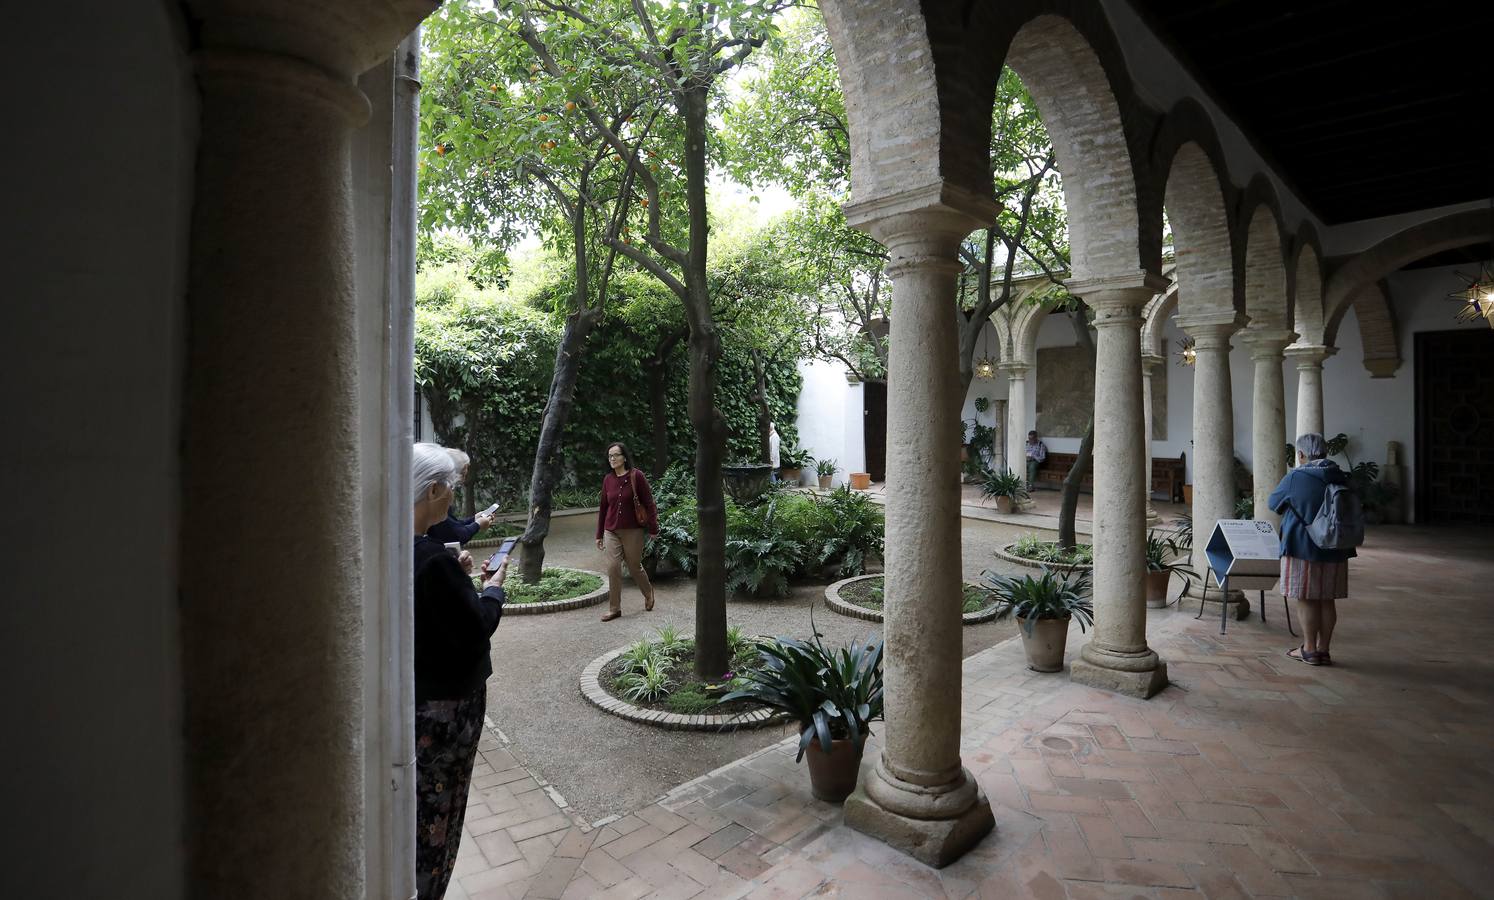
(570,105)
(544,117)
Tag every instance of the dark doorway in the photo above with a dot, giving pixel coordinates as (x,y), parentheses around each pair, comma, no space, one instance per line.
(874,414)
(1455,427)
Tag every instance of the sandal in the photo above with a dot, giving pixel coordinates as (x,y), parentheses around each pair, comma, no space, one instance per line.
(1302,655)
(1324,659)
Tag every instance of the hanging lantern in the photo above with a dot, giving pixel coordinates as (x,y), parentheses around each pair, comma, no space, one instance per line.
(1187,355)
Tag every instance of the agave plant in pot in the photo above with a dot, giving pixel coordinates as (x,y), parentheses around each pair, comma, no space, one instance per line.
(1006,486)
(825,470)
(833,695)
(1044,605)
(1162,560)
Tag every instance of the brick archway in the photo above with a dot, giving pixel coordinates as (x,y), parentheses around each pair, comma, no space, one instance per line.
(1305,284)
(1262,260)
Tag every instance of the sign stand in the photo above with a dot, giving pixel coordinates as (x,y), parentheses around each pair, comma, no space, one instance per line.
(1246,553)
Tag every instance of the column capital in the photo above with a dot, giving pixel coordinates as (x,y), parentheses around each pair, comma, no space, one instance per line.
(344,38)
(1150,362)
(1212,330)
(1309,356)
(1267,343)
(925,221)
(1016,369)
(1132,290)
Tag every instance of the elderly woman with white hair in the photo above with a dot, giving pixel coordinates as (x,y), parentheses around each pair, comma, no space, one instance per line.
(1316,576)
(453,623)
(452,529)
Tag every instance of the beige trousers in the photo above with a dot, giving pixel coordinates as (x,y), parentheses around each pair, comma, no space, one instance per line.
(624,544)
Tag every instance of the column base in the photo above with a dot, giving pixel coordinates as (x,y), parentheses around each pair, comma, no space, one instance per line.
(934,842)
(1152,518)
(1140,675)
(1241,603)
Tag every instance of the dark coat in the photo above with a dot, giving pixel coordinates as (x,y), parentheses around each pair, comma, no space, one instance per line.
(1297,499)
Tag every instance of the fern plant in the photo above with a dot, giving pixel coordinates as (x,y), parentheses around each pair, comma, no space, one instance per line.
(759,558)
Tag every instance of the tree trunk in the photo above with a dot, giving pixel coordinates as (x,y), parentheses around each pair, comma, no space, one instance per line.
(658,404)
(546,472)
(711,656)
(760,395)
(1069,506)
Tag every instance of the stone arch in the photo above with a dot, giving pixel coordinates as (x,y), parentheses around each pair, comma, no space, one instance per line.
(1075,94)
(888,76)
(1377,329)
(1261,259)
(1154,319)
(1407,246)
(1196,207)
(1305,276)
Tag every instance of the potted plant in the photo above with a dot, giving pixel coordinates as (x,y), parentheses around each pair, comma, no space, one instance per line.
(1007,487)
(834,696)
(1162,559)
(791,464)
(1043,605)
(825,470)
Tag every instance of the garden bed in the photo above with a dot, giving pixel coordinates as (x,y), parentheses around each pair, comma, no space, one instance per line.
(1033,553)
(559,589)
(654,682)
(861,598)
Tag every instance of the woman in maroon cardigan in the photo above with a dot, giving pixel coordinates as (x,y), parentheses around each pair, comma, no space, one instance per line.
(619,532)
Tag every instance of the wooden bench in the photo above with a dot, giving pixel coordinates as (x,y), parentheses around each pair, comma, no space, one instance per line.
(1168,474)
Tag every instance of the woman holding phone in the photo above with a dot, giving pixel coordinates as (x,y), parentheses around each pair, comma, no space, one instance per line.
(627,511)
(454,530)
(453,623)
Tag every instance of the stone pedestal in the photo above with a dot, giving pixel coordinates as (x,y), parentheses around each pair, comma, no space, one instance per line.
(1213,439)
(916,795)
(1268,417)
(1309,359)
(1117,657)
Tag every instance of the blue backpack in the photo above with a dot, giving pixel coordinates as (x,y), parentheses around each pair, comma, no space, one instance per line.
(1339,524)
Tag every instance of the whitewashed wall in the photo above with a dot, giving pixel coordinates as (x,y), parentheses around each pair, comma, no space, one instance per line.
(830,418)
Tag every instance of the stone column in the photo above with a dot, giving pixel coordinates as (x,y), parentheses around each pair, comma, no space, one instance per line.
(1268,416)
(1310,360)
(1117,657)
(1149,364)
(271,613)
(1016,416)
(1213,437)
(916,795)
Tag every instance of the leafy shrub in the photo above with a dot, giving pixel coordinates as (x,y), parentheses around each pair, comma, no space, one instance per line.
(852,530)
(640,654)
(759,558)
(1030,546)
(673,644)
(690,700)
(650,683)
(1003,484)
(554,584)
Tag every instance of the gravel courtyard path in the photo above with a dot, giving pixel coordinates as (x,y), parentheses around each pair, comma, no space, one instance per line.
(606,766)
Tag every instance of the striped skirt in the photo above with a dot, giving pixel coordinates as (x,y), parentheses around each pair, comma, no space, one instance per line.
(1308,580)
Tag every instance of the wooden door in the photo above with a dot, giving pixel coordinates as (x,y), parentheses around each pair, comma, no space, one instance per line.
(874,415)
(1455,427)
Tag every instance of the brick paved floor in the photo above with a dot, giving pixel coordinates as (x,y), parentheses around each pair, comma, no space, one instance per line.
(1252,775)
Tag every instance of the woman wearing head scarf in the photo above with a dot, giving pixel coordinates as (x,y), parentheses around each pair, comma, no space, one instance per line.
(453,623)
(1316,576)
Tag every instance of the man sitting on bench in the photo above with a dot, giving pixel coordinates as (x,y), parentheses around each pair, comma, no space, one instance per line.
(1037,451)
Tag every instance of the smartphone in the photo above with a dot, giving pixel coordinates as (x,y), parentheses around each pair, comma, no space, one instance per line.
(489,511)
(497,559)
(453,547)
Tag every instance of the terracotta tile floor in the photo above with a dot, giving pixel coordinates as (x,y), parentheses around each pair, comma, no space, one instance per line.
(1252,775)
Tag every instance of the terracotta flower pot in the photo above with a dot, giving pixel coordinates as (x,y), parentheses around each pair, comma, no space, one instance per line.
(1046,644)
(825,482)
(1156,589)
(1003,504)
(1188,495)
(861,480)
(790,474)
(832,776)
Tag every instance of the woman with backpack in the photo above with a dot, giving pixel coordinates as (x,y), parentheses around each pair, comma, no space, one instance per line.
(1315,575)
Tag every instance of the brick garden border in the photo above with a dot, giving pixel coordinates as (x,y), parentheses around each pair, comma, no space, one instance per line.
(592,690)
(847,608)
(554,606)
(1006,554)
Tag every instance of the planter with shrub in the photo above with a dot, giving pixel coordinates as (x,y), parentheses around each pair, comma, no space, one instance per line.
(1044,605)
(1036,553)
(1007,487)
(862,598)
(1163,558)
(825,470)
(834,696)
